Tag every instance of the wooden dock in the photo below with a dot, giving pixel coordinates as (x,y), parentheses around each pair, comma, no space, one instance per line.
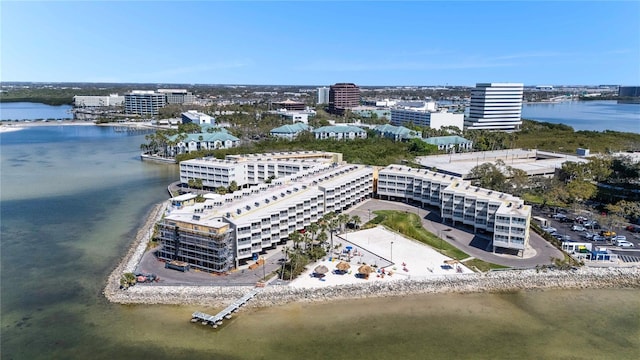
(216,320)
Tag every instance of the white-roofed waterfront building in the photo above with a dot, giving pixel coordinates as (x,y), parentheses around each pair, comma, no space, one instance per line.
(495,106)
(226,231)
(504,215)
(98,101)
(195,117)
(252,169)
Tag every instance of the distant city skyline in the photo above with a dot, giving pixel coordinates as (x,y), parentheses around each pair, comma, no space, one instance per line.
(321,43)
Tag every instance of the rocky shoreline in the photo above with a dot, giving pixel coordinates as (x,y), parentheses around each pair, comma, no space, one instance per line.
(131,259)
(219,296)
(496,282)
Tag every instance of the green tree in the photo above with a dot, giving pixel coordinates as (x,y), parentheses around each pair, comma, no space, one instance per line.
(579,191)
(233,186)
(356,221)
(518,179)
(488,176)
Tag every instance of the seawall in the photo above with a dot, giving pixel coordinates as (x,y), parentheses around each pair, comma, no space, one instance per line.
(219,296)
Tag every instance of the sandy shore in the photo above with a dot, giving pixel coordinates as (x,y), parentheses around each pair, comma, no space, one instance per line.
(8,126)
(219,296)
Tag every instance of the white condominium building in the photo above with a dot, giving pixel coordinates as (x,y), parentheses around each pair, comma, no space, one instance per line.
(225,231)
(228,230)
(250,169)
(504,215)
(431,119)
(98,101)
(495,106)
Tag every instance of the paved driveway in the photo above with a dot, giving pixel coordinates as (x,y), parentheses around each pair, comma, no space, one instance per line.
(475,245)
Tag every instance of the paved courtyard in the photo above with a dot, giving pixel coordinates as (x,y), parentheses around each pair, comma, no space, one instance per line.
(399,257)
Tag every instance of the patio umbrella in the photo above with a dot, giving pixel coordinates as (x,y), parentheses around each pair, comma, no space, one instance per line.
(365,269)
(343,266)
(321,269)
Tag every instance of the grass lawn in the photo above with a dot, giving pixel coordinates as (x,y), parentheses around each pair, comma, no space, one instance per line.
(483,265)
(409,225)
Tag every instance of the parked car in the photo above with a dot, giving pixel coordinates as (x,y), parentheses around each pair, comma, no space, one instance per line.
(620,237)
(634,228)
(559,216)
(598,238)
(578,228)
(588,235)
(608,233)
(581,219)
(549,229)
(623,243)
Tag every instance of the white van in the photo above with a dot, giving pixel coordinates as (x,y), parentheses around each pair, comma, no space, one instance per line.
(623,243)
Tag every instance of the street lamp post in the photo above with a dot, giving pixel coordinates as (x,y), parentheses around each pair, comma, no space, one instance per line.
(392,251)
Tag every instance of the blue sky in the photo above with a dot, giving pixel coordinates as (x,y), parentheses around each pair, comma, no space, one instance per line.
(321,43)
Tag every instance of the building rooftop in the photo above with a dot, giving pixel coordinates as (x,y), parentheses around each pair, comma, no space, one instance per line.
(291,128)
(397,131)
(446,140)
(207,136)
(533,162)
(261,200)
(338,129)
(508,203)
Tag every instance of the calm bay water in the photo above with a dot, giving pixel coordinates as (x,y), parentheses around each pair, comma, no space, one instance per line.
(72,198)
(587,115)
(33,111)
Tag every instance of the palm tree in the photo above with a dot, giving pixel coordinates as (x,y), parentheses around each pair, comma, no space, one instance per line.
(329,222)
(296,237)
(355,219)
(342,220)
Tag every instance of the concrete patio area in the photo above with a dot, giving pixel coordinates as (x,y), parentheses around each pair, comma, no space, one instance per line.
(401,258)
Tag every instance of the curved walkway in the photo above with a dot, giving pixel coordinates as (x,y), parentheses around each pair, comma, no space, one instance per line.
(539,252)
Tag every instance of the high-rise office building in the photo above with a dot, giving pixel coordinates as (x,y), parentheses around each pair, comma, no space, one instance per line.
(323,95)
(343,96)
(495,106)
(143,102)
(178,96)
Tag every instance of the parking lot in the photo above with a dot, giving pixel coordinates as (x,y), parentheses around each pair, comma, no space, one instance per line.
(564,221)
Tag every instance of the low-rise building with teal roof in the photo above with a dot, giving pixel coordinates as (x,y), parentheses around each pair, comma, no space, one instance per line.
(210,140)
(289,131)
(396,133)
(450,142)
(340,132)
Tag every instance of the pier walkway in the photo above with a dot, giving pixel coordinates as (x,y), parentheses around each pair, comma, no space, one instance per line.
(215,320)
